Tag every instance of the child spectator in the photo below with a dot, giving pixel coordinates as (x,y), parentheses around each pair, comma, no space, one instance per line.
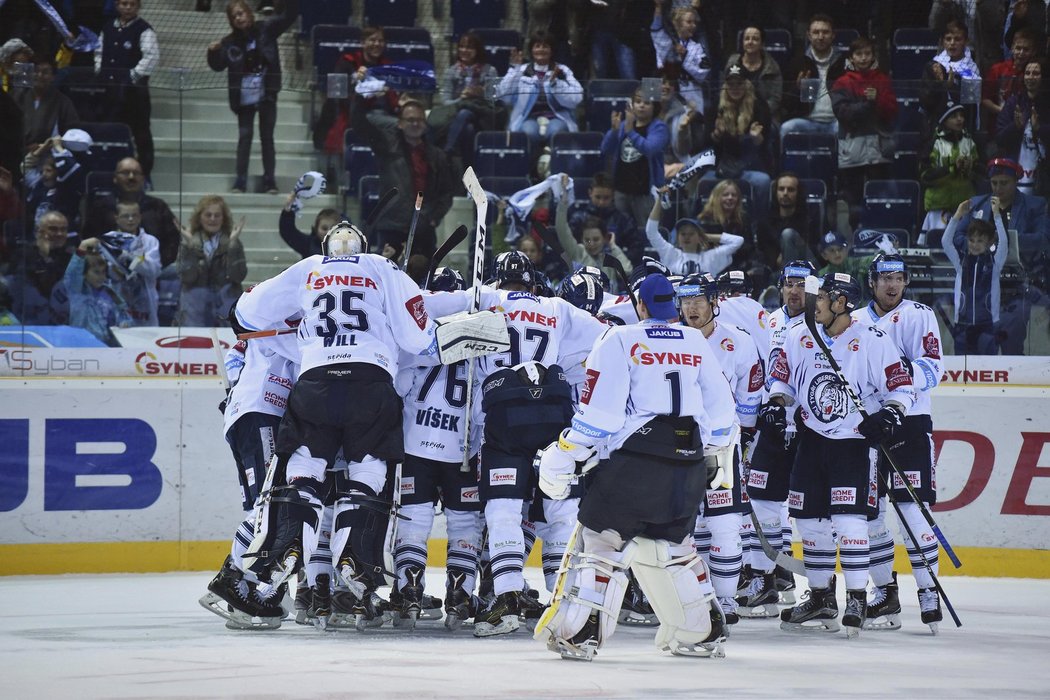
(944,75)
(694,251)
(94,304)
(306,244)
(600,204)
(678,53)
(635,144)
(596,240)
(977,271)
(947,171)
(134,264)
(834,249)
(211,264)
(54,182)
(1004,79)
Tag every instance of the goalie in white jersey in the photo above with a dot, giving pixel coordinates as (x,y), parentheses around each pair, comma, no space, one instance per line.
(913,329)
(833,489)
(655,403)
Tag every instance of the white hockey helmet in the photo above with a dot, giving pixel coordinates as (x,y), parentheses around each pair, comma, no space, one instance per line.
(344,239)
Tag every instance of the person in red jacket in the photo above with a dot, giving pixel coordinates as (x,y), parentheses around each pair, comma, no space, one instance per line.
(865,106)
(1005,78)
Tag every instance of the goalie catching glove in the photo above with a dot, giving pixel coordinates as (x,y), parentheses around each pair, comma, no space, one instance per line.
(465,335)
(560,463)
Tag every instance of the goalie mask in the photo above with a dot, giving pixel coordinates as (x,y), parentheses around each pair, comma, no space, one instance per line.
(344,239)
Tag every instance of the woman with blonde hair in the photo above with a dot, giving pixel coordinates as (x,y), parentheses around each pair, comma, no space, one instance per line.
(724,212)
(211,264)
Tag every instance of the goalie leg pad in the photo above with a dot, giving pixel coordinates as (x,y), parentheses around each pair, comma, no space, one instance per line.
(465,335)
(277,544)
(677,584)
(357,538)
(592,581)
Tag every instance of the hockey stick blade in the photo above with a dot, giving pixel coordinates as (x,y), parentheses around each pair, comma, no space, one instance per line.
(384,203)
(617,266)
(779,558)
(454,239)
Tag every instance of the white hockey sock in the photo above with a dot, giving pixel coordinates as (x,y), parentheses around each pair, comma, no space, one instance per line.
(464,544)
(818,550)
(927,540)
(768,514)
(555,533)
(411,546)
(854,553)
(702,538)
(506,544)
(726,555)
(785,529)
(881,545)
(748,539)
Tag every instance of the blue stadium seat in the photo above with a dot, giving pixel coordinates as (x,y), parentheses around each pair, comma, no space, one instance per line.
(111,143)
(911,49)
(578,154)
(324,12)
(503,186)
(906,155)
(503,153)
(474,14)
(412,43)
(368,192)
(778,45)
(329,43)
(87,94)
(99,184)
(580,187)
(891,204)
(391,13)
(498,45)
(603,97)
(811,156)
(359,160)
(843,38)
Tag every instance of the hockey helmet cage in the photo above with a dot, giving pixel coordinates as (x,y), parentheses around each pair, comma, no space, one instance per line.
(839,284)
(514,267)
(344,239)
(599,274)
(582,291)
(735,282)
(796,268)
(446,279)
(648,267)
(887,263)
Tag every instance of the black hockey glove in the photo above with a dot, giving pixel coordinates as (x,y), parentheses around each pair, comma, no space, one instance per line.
(747,436)
(882,424)
(906,363)
(772,418)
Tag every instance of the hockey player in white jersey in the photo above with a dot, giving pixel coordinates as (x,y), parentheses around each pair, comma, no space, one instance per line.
(359,311)
(737,308)
(656,403)
(772,455)
(913,329)
(833,488)
(718,523)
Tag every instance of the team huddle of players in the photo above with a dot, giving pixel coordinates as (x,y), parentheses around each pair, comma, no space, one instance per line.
(652,441)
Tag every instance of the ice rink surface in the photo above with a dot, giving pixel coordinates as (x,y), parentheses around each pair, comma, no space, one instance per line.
(145,636)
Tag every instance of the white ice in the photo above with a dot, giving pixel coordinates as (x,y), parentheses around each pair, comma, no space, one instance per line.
(145,636)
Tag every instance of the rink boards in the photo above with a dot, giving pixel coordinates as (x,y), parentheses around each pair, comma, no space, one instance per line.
(101,474)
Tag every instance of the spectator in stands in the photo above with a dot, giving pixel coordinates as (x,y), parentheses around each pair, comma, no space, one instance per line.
(760,68)
(306,244)
(94,304)
(943,77)
(466,109)
(211,264)
(983,21)
(790,234)
(1006,78)
(596,239)
(1026,214)
(977,273)
(865,106)
(134,258)
(157,218)
(13,51)
(679,54)
(600,204)
(694,250)
(54,182)
(805,111)
(542,94)
(947,170)
(724,212)
(45,110)
(635,146)
(124,60)
(673,112)
(11,149)
(409,162)
(1024,14)
(334,119)
(561,22)
(252,59)
(739,133)
(41,265)
(834,252)
(618,37)
(1023,130)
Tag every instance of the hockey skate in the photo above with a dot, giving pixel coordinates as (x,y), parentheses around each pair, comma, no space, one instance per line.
(531,609)
(635,609)
(233,598)
(760,598)
(582,647)
(406,606)
(713,645)
(500,616)
(321,601)
(746,575)
(460,605)
(302,600)
(785,583)
(930,607)
(884,607)
(350,612)
(855,613)
(729,611)
(817,612)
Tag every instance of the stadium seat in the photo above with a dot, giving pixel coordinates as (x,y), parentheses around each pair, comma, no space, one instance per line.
(329,43)
(368,191)
(503,153)
(811,156)
(390,13)
(911,49)
(604,97)
(359,160)
(98,184)
(411,43)
(843,38)
(86,93)
(110,143)
(580,187)
(498,45)
(906,155)
(503,186)
(891,204)
(474,14)
(324,12)
(579,154)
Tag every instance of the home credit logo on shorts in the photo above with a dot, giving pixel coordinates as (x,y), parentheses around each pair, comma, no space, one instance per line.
(757,479)
(588,386)
(897,376)
(796,499)
(720,498)
(913,478)
(844,495)
(417,310)
(408,485)
(642,355)
(147,363)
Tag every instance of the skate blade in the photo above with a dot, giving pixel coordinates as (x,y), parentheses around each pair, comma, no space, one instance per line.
(362,622)
(453,622)
(934,628)
(508,624)
(634,619)
(303,618)
(761,612)
(431,614)
(807,628)
(852,632)
(707,650)
(235,619)
(585,651)
(341,621)
(321,623)
(883,623)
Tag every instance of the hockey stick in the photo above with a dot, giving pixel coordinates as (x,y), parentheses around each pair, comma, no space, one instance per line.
(456,237)
(617,267)
(481,203)
(411,231)
(388,198)
(550,237)
(811,303)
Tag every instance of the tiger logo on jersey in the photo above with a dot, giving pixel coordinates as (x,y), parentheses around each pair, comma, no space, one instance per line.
(827,401)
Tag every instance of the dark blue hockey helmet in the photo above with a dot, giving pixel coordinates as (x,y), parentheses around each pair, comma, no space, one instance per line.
(700,284)
(648,267)
(514,267)
(839,284)
(583,292)
(598,273)
(734,282)
(446,279)
(800,269)
(542,286)
(887,263)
